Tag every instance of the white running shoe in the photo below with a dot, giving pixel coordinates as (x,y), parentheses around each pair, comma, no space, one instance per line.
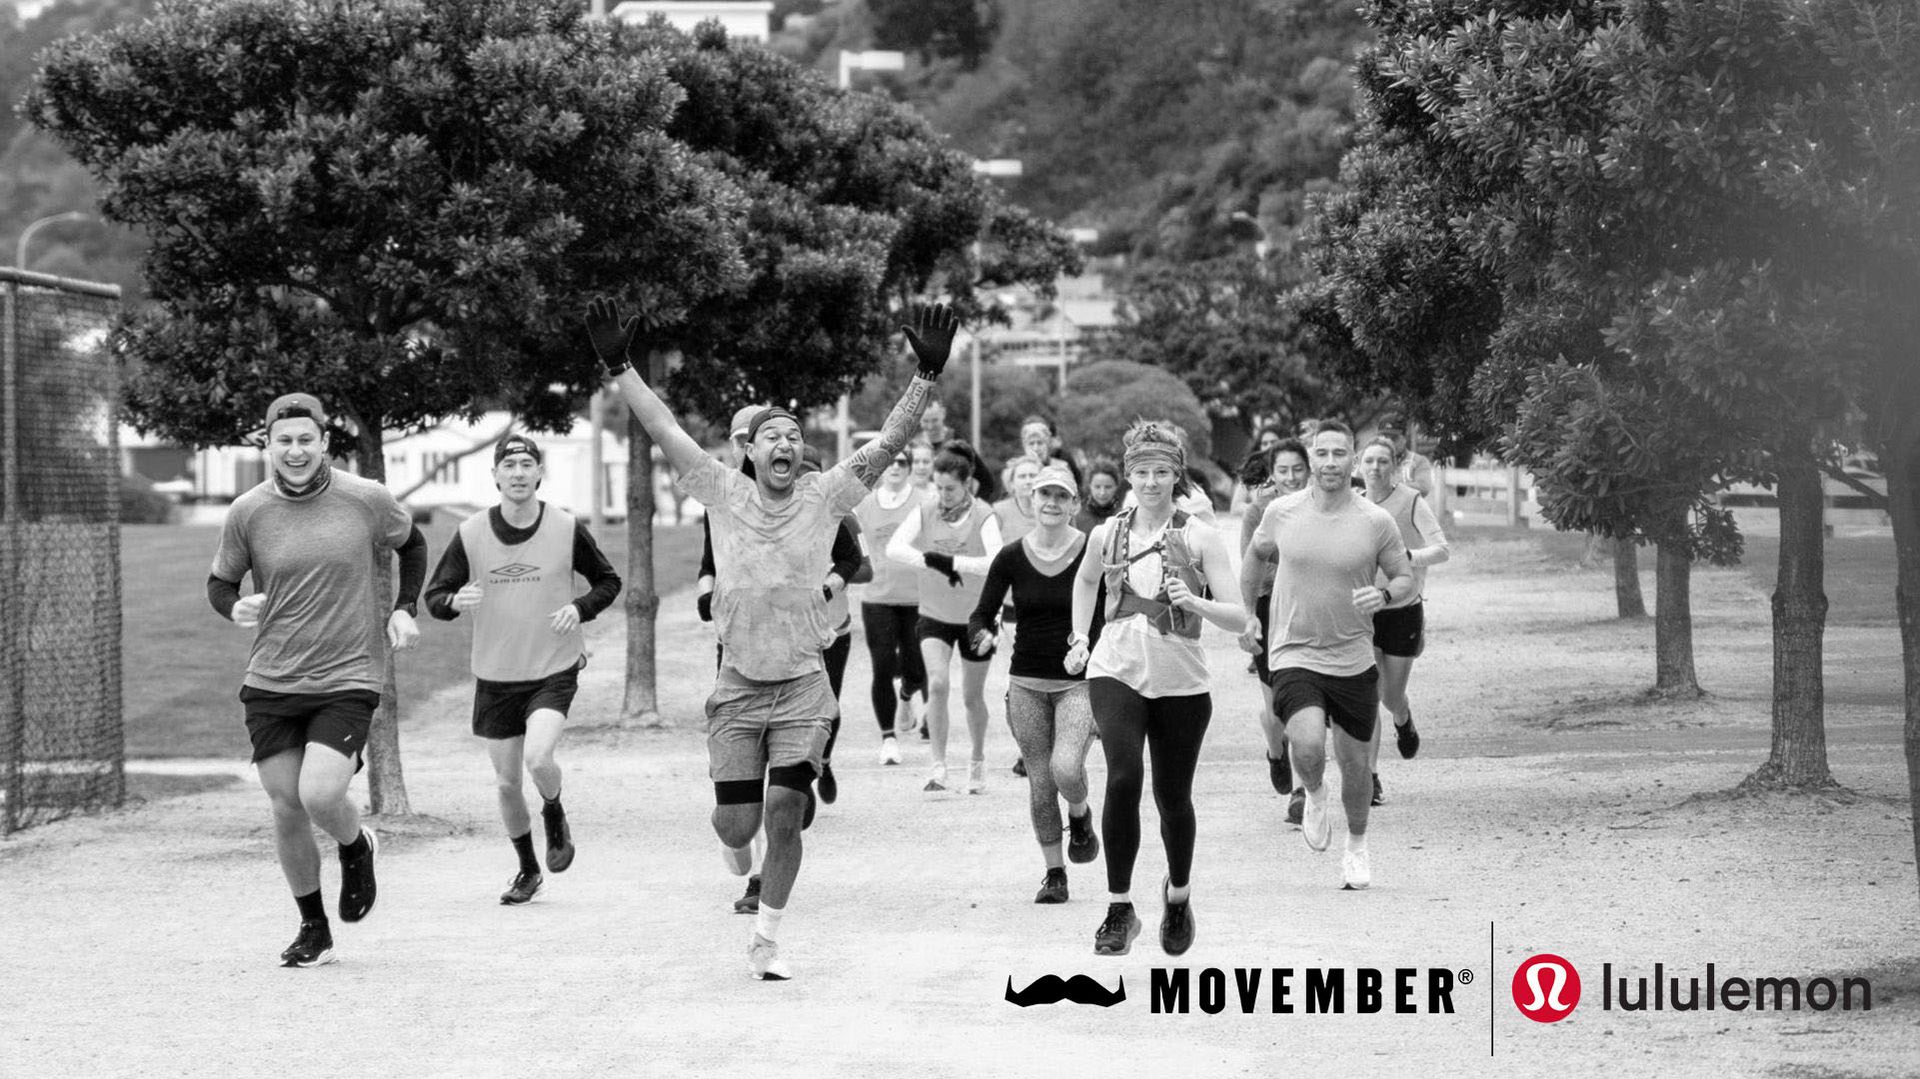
(1357,868)
(1315,825)
(889,750)
(936,777)
(738,861)
(976,777)
(908,721)
(764,962)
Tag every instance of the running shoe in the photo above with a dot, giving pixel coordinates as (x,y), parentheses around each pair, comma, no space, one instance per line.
(1357,869)
(936,777)
(1176,925)
(1316,824)
(976,777)
(1054,888)
(924,735)
(1020,767)
(764,962)
(749,903)
(828,786)
(357,886)
(312,948)
(1279,774)
(1407,737)
(1082,845)
(559,837)
(889,750)
(524,887)
(1296,805)
(1116,933)
(1379,795)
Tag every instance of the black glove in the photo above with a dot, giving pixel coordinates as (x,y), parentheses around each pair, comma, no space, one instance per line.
(931,337)
(612,336)
(705,606)
(940,562)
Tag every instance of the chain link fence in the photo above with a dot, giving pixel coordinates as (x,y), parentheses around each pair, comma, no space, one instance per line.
(62,750)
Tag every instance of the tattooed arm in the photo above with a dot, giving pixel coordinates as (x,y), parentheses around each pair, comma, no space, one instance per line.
(931,337)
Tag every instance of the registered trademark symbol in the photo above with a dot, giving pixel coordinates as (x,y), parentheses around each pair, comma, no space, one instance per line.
(1466,977)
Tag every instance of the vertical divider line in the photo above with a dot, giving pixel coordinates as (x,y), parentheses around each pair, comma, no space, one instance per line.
(1490,981)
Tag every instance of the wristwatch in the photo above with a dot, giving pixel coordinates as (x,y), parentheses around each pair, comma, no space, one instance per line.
(1386,597)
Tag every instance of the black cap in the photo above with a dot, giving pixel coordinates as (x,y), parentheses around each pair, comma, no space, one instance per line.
(516,444)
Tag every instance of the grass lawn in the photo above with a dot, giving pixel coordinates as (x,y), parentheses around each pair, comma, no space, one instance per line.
(183,664)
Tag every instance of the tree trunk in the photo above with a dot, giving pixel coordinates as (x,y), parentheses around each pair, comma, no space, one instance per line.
(1799,755)
(1673,624)
(1901,459)
(641,705)
(386,782)
(1626,579)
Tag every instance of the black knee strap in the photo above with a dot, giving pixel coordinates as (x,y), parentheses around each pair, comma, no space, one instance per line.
(738,792)
(794,777)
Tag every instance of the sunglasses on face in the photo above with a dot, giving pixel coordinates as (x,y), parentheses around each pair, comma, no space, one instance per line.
(903,462)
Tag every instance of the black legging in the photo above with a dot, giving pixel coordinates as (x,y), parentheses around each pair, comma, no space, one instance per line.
(835,657)
(895,653)
(1173,727)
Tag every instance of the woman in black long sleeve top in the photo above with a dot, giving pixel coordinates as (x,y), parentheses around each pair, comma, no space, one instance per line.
(1046,706)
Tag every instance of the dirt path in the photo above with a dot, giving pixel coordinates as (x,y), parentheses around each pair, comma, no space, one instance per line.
(1547,805)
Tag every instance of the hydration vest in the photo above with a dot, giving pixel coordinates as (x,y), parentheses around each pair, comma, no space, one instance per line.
(1176,560)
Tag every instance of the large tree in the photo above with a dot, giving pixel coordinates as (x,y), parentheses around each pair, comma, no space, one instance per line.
(393,206)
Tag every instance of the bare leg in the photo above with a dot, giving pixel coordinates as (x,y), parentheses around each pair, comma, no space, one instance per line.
(324,777)
(785,810)
(1356,779)
(938,656)
(973,696)
(292,828)
(543,736)
(505,753)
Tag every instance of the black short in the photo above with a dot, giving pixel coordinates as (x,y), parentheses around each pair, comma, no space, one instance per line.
(277,722)
(1351,702)
(929,629)
(1401,631)
(500,709)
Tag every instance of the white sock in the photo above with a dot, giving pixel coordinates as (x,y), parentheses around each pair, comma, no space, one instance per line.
(1180,894)
(738,860)
(1078,809)
(1318,794)
(1120,897)
(767,922)
(1356,844)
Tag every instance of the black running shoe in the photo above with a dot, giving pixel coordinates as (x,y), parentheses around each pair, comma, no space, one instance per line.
(1279,774)
(749,903)
(1296,805)
(1054,888)
(828,786)
(1116,933)
(1379,795)
(1407,738)
(357,886)
(525,886)
(312,948)
(559,837)
(1176,925)
(1082,845)
(1020,767)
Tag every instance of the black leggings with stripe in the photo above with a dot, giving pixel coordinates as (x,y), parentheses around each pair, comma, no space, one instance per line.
(1172,728)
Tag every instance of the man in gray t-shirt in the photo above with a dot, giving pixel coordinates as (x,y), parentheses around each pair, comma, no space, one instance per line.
(773,529)
(1328,544)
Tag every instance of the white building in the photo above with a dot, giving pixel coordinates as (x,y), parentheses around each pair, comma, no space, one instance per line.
(744,20)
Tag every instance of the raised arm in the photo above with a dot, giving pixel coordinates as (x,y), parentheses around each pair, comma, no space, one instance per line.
(613,342)
(931,338)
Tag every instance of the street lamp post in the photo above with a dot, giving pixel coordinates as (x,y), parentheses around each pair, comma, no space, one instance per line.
(1004,168)
(870,60)
(26,235)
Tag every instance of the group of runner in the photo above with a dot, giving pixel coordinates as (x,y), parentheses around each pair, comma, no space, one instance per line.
(1110,579)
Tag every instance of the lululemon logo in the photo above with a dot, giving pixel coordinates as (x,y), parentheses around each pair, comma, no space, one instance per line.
(1546,988)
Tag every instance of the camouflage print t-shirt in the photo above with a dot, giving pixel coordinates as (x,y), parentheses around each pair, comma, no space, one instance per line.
(770,557)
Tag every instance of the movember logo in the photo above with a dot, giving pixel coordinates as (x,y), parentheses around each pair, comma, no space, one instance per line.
(1052,989)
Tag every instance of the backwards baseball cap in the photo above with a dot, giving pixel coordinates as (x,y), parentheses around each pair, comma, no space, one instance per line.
(764,416)
(513,444)
(738,428)
(295,405)
(1056,476)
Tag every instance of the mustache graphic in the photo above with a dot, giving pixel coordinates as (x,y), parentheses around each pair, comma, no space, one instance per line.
(1050,989)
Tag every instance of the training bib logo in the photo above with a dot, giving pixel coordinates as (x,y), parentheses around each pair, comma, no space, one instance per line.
(513,569)
(1546,988)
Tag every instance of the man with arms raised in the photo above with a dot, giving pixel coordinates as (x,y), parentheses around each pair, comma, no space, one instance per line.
(773,530)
